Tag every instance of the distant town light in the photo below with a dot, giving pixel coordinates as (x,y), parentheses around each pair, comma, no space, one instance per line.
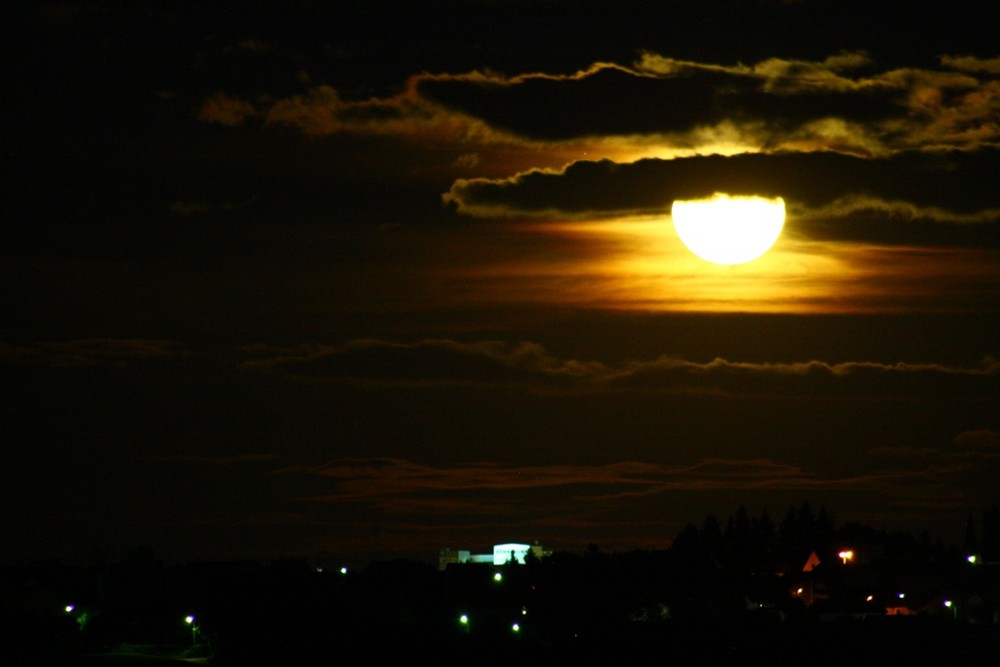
(869,598)
(846,556)
(971,558)
(498,577)
(343,570)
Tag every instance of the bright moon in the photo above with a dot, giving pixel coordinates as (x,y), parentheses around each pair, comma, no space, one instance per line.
(729,230)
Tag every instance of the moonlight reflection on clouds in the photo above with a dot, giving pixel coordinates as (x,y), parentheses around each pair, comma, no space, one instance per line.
(729,230)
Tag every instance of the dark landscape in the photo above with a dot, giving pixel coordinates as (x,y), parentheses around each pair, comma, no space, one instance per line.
(743,590)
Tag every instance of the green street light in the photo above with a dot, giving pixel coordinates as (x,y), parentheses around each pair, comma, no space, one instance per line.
(189,619)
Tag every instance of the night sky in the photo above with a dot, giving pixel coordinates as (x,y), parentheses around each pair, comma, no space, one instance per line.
(362,280)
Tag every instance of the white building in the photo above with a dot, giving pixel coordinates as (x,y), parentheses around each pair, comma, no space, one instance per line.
(502,553)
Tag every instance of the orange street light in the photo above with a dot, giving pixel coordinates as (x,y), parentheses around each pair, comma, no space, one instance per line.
(846,556)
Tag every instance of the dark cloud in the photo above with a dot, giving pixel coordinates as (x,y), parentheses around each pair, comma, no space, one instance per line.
(838,103)
(614,100)
(948,187)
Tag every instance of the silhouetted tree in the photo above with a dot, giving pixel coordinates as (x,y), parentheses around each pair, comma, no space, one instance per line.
(807,526)
(711,534)
(738,535)
(687,541)
(789,536)
(765,539)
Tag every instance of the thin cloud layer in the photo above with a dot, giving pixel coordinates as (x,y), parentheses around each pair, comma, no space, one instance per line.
(400,492)
(530,367)
(368,480)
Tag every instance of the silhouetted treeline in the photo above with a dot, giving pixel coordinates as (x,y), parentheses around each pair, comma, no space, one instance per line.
(752,543)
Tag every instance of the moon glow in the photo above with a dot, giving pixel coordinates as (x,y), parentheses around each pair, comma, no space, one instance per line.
(729,230)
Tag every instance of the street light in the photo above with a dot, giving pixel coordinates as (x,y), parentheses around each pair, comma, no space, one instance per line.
(189,619)
(846,556)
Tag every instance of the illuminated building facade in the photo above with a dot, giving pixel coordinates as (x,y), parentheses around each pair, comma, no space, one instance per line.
(510,552)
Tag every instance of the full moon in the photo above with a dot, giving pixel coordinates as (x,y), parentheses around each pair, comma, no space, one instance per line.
(729,230)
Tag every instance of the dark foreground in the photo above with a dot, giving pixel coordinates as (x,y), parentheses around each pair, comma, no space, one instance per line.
(901,641)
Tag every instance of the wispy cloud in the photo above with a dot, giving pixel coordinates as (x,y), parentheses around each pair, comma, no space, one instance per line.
(529,365)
